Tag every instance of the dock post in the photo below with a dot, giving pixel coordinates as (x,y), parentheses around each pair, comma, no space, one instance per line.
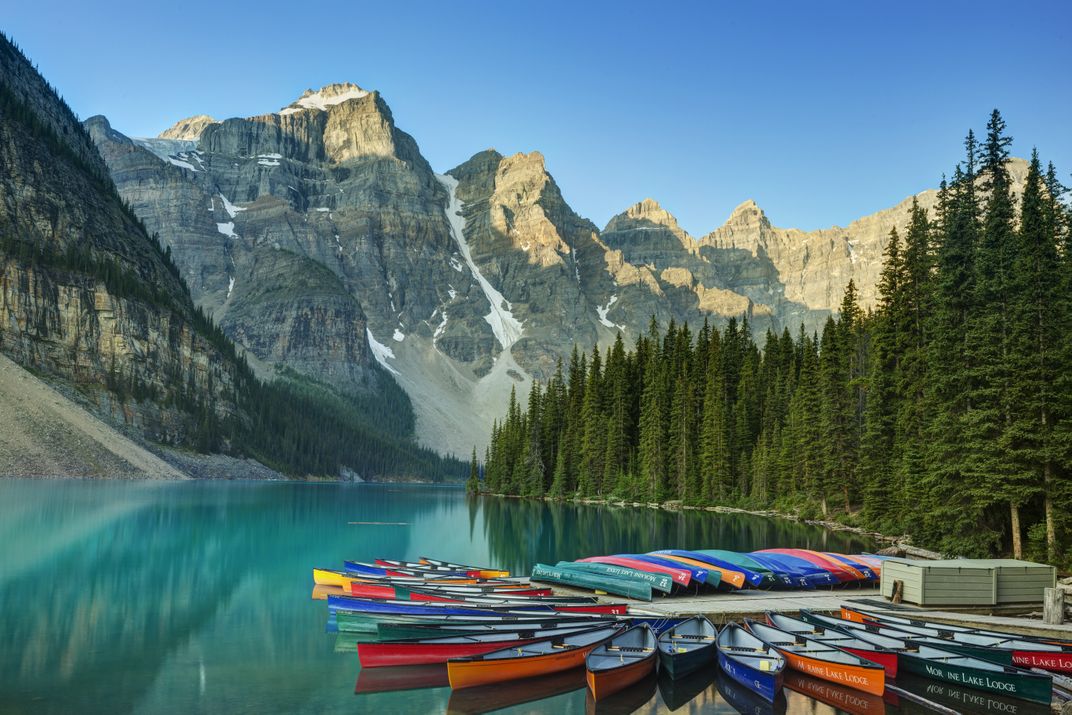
(1053,606)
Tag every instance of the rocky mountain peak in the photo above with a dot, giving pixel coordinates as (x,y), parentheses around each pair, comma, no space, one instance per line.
(327,96)
(748,214)
(644,215)
(188,129)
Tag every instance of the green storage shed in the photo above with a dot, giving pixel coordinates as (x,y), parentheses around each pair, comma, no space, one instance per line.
(955,582)
(968,582)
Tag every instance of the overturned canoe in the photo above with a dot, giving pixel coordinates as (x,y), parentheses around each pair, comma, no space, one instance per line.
(625,659)
(659,582)
(726,578)
(822,660)
(751,662)
(682,577)
(618,585)
(538,658)
(748,577)
(687,647)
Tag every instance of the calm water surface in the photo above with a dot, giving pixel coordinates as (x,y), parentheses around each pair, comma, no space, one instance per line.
(120,597)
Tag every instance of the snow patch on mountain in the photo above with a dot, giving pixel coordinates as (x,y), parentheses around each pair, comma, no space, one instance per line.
(508,329)
(325,97)
(380,351)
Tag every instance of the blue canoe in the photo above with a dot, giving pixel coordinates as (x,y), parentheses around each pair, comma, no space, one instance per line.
(754,578)
(698,575)
(750,661)
(806,574)
(416,608)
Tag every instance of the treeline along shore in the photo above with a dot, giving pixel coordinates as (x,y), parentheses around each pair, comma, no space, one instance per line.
(944,413)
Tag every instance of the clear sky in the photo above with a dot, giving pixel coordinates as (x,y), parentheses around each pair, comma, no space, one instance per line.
(820,111)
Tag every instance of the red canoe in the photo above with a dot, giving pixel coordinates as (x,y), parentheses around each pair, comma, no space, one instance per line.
(440,650)
(682,577)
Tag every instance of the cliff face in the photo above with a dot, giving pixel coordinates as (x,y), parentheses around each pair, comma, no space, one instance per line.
(85,296)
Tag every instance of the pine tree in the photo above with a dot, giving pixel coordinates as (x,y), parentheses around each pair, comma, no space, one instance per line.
(472,485)
(1034,357)
(651,452)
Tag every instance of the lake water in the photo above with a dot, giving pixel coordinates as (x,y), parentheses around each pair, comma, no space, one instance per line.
(132,597)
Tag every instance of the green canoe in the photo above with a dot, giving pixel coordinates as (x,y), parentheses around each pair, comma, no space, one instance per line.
(741,560)
(658,581)
(979,674)
(618,585)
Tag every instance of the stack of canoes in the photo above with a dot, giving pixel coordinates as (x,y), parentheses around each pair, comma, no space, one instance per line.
(481,629)
(670,571)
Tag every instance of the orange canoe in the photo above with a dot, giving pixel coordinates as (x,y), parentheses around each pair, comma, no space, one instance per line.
(627,658)
(733,578)
(823,661)
(538,658)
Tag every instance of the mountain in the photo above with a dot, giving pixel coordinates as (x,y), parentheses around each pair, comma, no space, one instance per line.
(85,296)
(92,303)
(321,241)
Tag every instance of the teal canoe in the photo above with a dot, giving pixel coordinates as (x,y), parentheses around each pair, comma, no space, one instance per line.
(659,582)
(620,586)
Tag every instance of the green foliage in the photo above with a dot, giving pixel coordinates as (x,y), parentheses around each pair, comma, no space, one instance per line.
(945,413)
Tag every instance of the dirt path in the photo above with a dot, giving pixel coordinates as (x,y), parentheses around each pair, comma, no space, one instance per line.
(44,434)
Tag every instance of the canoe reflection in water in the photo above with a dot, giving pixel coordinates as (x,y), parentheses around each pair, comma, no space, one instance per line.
(968,699)
(844,699)
(676,692)
(746,701)
(489,698)
(626,701)
(403,677)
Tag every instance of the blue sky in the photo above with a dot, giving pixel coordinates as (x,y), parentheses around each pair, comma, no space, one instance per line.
(820,111)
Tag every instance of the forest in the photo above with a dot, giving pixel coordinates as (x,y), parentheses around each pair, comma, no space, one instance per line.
(943,413)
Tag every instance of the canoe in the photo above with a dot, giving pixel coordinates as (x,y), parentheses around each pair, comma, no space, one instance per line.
(687,647)
(700,576)
(948,666)
(491,573)
(374,590)
(821,660)
(751,662)
(615,664)
(876,653)
(331,577)
(682,577)
(620,586)
(870,573)
(727,578)
(659,582)
(839,697)
(357,621)
(773,576)
(418,567)
(804,574)
(375,574)
(752,578)
(841,572)
(393,631)
(542,596)
(538,658)
(499,696)
(862,615)
(442,649)
(1006,649)
(395,606)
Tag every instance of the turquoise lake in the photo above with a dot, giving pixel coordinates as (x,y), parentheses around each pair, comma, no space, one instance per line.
(194,597)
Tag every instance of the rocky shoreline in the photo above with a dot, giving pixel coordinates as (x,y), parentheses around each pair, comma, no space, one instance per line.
(896,545)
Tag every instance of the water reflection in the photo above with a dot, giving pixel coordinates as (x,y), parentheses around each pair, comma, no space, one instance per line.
(123,597)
